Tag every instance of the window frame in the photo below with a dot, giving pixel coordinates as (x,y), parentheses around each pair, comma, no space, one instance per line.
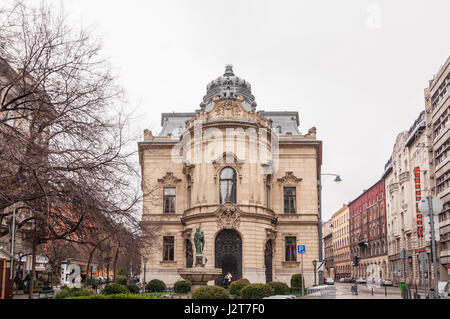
(169,247)
(289,197)
(290,250)
(168,197)
(229,181)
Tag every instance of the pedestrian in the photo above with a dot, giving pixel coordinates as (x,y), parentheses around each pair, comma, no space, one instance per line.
(227,280)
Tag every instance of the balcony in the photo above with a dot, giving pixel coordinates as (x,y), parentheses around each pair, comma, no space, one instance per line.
(393,187)
(362,241)
(403,177)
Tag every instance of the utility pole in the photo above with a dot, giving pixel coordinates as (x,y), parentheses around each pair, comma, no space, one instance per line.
(320,229)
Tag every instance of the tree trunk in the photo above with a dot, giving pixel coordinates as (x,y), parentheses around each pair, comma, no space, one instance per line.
(51,276)
(89,265)
(115,263)
(33,271)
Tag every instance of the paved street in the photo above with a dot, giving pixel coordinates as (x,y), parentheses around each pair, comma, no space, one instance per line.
(343,291)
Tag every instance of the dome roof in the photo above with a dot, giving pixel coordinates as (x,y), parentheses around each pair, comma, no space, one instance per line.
(228,85)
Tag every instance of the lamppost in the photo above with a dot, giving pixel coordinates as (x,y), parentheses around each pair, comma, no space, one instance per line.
(315,264)
(319,182)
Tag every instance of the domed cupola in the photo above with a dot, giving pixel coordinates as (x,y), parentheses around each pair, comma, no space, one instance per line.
(227,86)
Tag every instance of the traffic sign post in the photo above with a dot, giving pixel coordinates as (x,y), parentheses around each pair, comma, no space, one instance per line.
(423,267)
(430,207)
(301,249)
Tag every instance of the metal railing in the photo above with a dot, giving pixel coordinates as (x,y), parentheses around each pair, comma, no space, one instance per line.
(323,292)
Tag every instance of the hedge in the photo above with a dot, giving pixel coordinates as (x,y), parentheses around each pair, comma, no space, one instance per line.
(280,288)
(236,286)
(257,291)
(122,280)
(155,285)
(115,296)
(113,289)
(133,288)
(210,292)
(73,292)
(296,281)
(182,286)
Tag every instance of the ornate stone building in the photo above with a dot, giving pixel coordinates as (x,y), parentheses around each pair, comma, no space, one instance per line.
(341,243)
(407,176)
(248,178)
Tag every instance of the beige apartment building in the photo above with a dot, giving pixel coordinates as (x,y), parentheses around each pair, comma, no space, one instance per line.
(437,104)
(407,175)
(254,193)
(341,243)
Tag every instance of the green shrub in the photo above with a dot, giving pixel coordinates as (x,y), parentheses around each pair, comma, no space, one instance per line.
(133,288)
(121,280)
(73,292)
(210,292)
(297,282)
(256,291)
(113,289)
(116,296)
(155,285)
(236,286)
(280,288)
(182,286)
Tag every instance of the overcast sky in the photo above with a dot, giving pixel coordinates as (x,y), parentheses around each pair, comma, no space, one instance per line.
(356,70)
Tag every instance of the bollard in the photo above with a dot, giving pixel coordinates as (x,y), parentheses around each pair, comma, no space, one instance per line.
(385,291)
(372,291)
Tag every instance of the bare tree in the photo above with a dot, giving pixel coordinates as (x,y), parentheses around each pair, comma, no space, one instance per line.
(63,132)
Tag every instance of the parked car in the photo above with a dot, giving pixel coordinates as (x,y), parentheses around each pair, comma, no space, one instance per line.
(387,282)
(342,280)
(444,289)
(351,280)
(329,281)
(361,281)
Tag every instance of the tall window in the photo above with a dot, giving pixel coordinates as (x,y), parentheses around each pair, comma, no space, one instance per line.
(169,200)
(289,200)
(268,179)
(291,243)
(189,191)
(168,248)
(228,186)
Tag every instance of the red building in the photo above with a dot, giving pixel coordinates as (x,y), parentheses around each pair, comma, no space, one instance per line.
(368,232)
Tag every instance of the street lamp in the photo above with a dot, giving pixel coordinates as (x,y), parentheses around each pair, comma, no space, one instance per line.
(319,182)
(315,264)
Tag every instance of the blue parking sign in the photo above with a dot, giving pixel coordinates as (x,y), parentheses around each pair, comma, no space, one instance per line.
(301,249)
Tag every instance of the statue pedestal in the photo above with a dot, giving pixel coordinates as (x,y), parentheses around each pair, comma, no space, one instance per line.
(200,260)
(199,276)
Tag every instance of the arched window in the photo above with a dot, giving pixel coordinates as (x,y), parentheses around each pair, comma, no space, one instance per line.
(228,186)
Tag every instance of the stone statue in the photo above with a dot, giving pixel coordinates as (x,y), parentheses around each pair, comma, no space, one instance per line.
(199,240)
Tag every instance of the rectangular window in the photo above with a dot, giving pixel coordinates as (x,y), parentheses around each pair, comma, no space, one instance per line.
(291,245)
(268,191)
(169,200)
(168,248)
(289,200)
